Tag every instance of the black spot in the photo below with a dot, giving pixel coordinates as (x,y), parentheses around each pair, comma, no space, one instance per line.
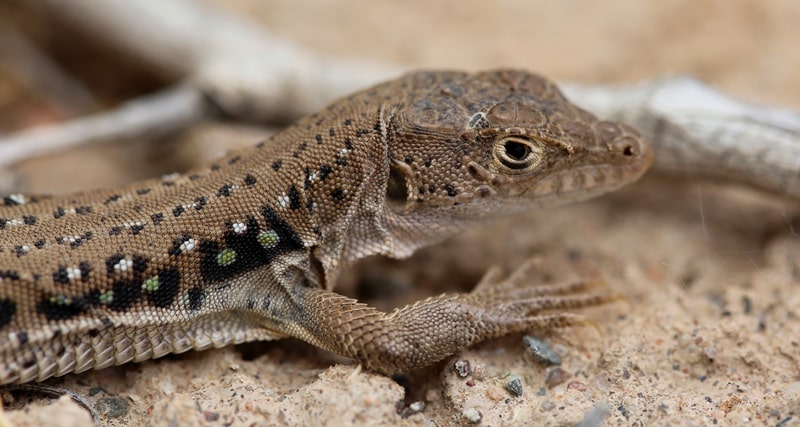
(136,228)
(341,161)
(324,171)
(115,231)
(59,212)
(112,199)
(137,208)
(143,191)
(140,263)
(94,332)
(421,190)
(277,164)
(249,179)
(196,298)
(261,144)
(126,293)
(428,162)
(338,194)
(310,205)
(83,210)
(303,145)
(451,191)
(431,189)
(234,159)
(60,275)
(194,177)
(377,126)
(361,132)
(53,310)
(348,122)
(331,133)
(9,201)
(28,363)
(251,303)
(29,219)
(294,198)
(112,261)
(348,143)
(85,268)
(175,250)
(20,250)
(409,160)
(200,203)
(168,287)
(215,168)
(9,274)
(318,137)
(7,310)
(168,183)
(39,244)
(224,191)
(22,337)
(3,222)
(157,218)
(177,211)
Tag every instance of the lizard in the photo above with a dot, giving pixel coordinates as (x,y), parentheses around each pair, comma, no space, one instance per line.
(249,247)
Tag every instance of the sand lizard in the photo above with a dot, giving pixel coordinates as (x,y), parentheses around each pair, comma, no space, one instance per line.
(250,247)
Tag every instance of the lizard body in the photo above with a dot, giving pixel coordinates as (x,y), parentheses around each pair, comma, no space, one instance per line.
(250,247)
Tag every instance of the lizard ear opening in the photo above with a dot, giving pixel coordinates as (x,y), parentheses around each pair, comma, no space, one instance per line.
(396,188)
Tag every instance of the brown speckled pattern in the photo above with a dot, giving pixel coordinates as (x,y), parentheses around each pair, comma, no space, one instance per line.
(250,247)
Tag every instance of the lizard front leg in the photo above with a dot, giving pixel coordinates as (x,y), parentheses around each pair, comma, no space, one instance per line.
(430,330)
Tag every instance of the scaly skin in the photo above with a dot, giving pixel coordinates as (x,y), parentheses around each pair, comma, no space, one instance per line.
(250,247)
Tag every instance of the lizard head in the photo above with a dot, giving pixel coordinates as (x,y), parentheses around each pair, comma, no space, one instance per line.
(464,147)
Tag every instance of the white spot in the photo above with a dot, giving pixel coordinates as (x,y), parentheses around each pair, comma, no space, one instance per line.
(18,198)
(343,152)
(313,176)
(14,222)
(123,264)
(73,273)
(171,176)
(283,201)
(239,227)
(24,249)
(188,245)
(73,239)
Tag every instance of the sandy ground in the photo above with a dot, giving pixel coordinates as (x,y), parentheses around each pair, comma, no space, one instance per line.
(709,335)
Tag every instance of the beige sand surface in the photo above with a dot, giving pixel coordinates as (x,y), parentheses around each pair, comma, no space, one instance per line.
(710,334)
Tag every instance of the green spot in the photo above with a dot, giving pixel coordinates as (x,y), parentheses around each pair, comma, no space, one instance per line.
(268,238)
(107,297)
(151,284)
(226,257)
(60,300)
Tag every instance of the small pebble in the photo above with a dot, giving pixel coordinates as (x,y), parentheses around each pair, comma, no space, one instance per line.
(540,351)
(462,368)
(413,408)
(556,377)
(576,385)
(113,407)
(495,393)
(514,386)
(472,415)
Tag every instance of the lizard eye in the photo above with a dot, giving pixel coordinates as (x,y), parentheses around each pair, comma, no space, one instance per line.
(517,154)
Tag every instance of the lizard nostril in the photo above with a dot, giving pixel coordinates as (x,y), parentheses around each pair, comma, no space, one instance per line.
(626,146)
(628,151)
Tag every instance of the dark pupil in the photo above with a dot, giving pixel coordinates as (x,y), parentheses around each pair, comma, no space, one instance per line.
(517,151)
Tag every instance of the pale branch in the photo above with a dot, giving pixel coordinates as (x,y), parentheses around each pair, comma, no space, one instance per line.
(165,112)
(247,71)
(701,133)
